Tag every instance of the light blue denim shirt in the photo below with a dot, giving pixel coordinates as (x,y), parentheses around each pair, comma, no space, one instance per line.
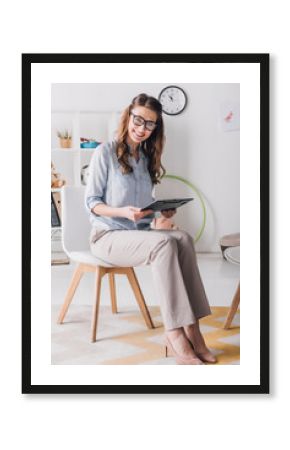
(106,184)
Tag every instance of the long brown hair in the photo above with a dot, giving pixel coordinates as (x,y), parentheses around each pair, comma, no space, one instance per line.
(152,147)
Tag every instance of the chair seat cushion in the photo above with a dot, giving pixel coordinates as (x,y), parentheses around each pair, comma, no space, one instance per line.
(230,240)
(86,257)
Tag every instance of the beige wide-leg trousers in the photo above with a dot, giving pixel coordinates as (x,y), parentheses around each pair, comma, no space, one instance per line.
(172,257)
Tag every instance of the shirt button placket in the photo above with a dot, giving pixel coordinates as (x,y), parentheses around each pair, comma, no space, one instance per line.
(136,193)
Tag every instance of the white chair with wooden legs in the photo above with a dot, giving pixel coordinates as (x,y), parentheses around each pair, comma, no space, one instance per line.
(232,254)
(75,239)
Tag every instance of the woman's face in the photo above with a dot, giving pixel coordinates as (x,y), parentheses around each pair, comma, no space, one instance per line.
(137,128)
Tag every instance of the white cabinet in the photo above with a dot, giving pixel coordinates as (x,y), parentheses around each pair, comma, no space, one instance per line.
(69,162)
(97,125)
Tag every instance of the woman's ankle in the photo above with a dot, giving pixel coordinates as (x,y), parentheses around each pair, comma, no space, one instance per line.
(193,328)
(198,343)
(181,346)
(174,333)
(195,336)
(178,339)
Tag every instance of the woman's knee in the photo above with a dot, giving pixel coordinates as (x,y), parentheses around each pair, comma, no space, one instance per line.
(163,243)
(158,237)
(186,238)
(168,240)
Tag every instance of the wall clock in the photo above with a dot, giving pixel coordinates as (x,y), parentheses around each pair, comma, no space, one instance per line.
(173,100)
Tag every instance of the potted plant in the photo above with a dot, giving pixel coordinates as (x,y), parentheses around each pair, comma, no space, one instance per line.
(65,139)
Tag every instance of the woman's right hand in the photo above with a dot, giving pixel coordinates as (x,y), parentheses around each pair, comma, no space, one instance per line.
(134,214)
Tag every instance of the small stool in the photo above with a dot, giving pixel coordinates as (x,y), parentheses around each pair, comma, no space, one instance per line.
(229,240)
(232,254)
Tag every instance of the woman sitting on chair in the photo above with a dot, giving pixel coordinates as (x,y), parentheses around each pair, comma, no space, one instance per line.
(121,180)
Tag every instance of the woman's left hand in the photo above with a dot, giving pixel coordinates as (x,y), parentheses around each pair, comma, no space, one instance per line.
(168,213)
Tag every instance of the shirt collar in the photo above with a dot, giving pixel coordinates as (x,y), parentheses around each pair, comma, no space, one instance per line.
(141,151)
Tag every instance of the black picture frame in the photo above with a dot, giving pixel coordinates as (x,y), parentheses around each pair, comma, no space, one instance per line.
(248,58)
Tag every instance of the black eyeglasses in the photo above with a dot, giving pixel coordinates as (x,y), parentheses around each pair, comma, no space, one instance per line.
(139,121)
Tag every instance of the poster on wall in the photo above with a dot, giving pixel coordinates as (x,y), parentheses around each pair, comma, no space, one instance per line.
(230,116)
(154,207)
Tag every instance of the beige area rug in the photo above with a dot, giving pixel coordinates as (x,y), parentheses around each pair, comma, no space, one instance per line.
(123,338)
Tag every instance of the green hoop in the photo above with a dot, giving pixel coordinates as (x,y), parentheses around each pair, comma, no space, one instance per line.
(194,188)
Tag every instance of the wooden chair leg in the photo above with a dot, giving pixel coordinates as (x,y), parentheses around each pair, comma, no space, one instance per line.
(233,308)
(70,293)
(139,297)
(113,292)
(99,274)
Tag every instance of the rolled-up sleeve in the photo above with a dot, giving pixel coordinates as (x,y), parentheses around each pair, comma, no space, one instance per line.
(97,180)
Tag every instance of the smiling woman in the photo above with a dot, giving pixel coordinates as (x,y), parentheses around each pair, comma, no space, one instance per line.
(141,125)
(122,176)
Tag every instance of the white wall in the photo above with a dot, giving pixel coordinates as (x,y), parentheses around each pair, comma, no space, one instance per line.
(196,148)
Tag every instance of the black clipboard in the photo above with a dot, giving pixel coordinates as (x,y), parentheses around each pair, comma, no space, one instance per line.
(55,219)
(173,203)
